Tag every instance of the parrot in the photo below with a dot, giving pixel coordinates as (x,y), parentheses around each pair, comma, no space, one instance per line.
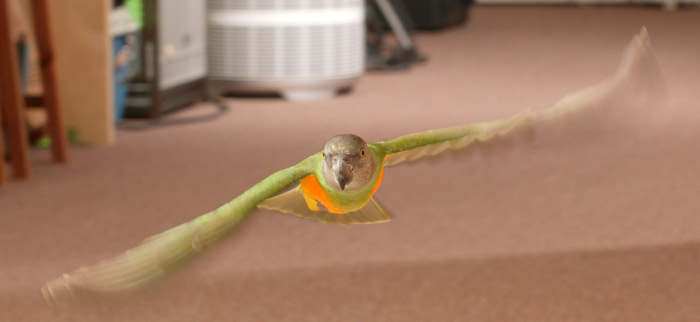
(335,185)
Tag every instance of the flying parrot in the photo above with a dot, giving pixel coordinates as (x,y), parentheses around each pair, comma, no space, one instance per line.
(335,185)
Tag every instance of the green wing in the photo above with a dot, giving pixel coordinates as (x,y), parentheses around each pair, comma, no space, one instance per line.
(166,251)
(636,60)
(415,146)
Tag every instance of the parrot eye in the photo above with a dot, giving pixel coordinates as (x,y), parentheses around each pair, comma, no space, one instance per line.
(362,153)
(323,154)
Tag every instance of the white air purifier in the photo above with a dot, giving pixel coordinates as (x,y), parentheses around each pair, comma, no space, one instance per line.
(301,49)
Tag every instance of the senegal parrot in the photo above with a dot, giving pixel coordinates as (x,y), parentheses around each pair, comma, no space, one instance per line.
(335,185)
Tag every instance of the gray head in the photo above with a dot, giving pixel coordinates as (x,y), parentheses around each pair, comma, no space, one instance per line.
(347,163)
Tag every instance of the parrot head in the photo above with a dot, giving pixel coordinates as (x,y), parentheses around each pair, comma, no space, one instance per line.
(347,162)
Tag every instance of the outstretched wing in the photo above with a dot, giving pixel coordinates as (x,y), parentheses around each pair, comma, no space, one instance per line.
(164,252)
(414,146)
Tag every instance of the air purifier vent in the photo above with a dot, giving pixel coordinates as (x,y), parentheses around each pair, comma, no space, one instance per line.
(283,46)
(285,53)
(281,4)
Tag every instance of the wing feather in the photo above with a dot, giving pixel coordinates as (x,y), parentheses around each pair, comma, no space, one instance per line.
(636,61)
(159,254)
(415,146)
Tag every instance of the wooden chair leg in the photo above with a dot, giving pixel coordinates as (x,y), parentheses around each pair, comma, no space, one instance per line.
(2,153)
(12,100)
(44,41)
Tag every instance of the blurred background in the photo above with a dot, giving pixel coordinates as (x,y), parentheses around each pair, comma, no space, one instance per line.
(143,59)
(124,118)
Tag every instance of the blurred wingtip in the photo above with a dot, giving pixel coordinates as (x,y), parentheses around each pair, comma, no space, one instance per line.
(640,69)
(637,82)
(644,35)
(58,292)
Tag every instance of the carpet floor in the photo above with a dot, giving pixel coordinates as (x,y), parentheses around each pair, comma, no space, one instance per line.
(599,222)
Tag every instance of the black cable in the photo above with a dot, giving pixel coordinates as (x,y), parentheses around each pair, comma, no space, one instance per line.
(158,122)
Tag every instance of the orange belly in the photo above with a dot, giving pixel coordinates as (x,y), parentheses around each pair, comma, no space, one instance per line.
(313,189)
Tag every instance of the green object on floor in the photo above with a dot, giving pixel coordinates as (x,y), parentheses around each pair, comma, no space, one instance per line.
(45,142)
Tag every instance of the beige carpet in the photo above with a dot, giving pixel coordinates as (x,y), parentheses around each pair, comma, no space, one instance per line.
(598,224)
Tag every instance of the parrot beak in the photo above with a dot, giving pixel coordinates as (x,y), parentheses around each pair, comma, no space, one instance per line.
(342,171)
(341,181)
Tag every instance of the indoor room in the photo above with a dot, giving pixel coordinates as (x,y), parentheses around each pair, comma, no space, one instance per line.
(349,160)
